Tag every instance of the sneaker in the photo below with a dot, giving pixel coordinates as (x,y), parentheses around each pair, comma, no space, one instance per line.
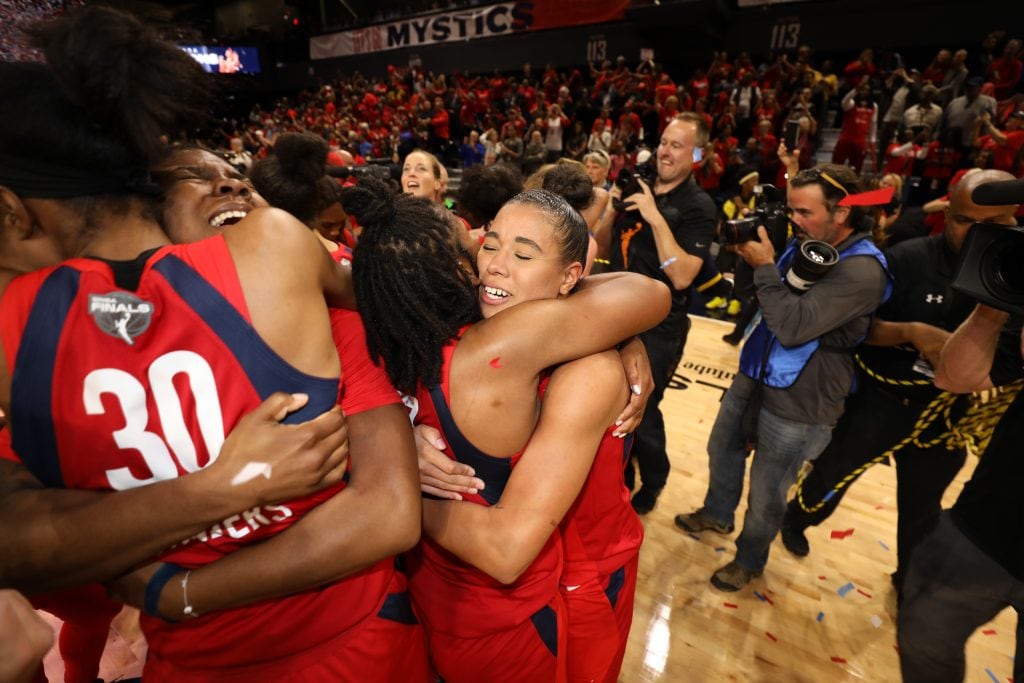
(735,306)
(717,304)
(700,521)
(645,499)
(732,577)
(795,541)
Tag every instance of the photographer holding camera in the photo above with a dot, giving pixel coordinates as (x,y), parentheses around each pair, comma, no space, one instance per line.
(972,565)
(796,369)
(895,392)
(664,232)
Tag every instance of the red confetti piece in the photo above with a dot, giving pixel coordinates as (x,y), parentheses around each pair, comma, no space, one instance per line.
(879,507)
(989,632)
(865,594)
(495,362)
(821,578)
(730,605)
(768,600)
(842,534)
(838,660)
(771,637)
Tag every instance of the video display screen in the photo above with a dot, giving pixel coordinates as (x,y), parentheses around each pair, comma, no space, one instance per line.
(219,59)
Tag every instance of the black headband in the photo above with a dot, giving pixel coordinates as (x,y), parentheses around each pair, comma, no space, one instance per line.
(32,178)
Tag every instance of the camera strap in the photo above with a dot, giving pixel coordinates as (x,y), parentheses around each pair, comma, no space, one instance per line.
(752,411)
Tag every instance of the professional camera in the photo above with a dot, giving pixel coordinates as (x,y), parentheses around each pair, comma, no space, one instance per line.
(769,211)
(991,267)
(380,172)
(810,263)
(629,182)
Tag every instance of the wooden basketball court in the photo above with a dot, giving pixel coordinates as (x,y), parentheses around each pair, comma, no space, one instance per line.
(828,617)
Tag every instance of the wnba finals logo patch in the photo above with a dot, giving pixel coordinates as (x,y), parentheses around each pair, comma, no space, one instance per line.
(120,314)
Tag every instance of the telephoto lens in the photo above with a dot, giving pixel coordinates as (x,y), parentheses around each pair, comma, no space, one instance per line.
(811,262)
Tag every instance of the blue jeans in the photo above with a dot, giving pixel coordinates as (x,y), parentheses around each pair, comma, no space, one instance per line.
(783,445)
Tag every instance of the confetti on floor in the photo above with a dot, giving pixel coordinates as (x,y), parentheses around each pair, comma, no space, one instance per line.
(864,593)
(876,620)
(841,534)
(719,550)
(771,637)
(882,543)
(838,660)
(821,616)
(989,632)
(845,589)
(821,578)
(730,605)
(992,675)
(495,363)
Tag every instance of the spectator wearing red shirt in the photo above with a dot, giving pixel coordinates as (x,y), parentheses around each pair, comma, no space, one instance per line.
(665,88)
(1005,72)
(901,154)
(1005,145)
(858,130)
(855,71)
(936,71)
(667,112)
(708,171)
(440,130)
(699,87)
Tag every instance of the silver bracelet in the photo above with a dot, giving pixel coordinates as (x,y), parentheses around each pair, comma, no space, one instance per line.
(187,611)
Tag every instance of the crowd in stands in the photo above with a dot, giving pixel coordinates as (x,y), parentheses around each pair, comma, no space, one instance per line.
(15,14)
(920,123)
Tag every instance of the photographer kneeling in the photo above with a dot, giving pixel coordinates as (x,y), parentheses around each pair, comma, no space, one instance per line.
(796,368)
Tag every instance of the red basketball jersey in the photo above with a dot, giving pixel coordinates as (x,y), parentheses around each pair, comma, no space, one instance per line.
(452,596)
(601,532)
(113,389)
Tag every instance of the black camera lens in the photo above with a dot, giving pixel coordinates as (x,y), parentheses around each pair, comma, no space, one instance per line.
(1002,268)
(812,261)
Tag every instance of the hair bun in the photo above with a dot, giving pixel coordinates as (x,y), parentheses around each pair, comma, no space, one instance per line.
(122,76)
(302,155)
(371,201)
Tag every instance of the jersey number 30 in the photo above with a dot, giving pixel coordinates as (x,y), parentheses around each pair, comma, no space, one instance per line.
(156,450)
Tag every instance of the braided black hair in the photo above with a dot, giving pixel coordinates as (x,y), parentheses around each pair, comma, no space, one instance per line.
(294,176)
(414,293)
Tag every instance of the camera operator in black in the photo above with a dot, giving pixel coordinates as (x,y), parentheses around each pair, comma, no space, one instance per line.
(665,234)
(894,384)
(972,565)
(796,368)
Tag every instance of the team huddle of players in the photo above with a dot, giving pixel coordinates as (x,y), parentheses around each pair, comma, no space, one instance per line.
(174,354)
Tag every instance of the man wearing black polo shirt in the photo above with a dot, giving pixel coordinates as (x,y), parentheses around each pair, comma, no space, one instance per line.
(665,234)
(972,565)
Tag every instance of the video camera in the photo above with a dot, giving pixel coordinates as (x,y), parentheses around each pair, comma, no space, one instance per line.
(629,182)
(769,211)
(381,172)
(991,266)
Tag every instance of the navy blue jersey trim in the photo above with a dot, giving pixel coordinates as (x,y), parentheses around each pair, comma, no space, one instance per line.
(493,471)
(267,371)
(545,621)
(398,607)
(615,583)
(627,448)
(34,437)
